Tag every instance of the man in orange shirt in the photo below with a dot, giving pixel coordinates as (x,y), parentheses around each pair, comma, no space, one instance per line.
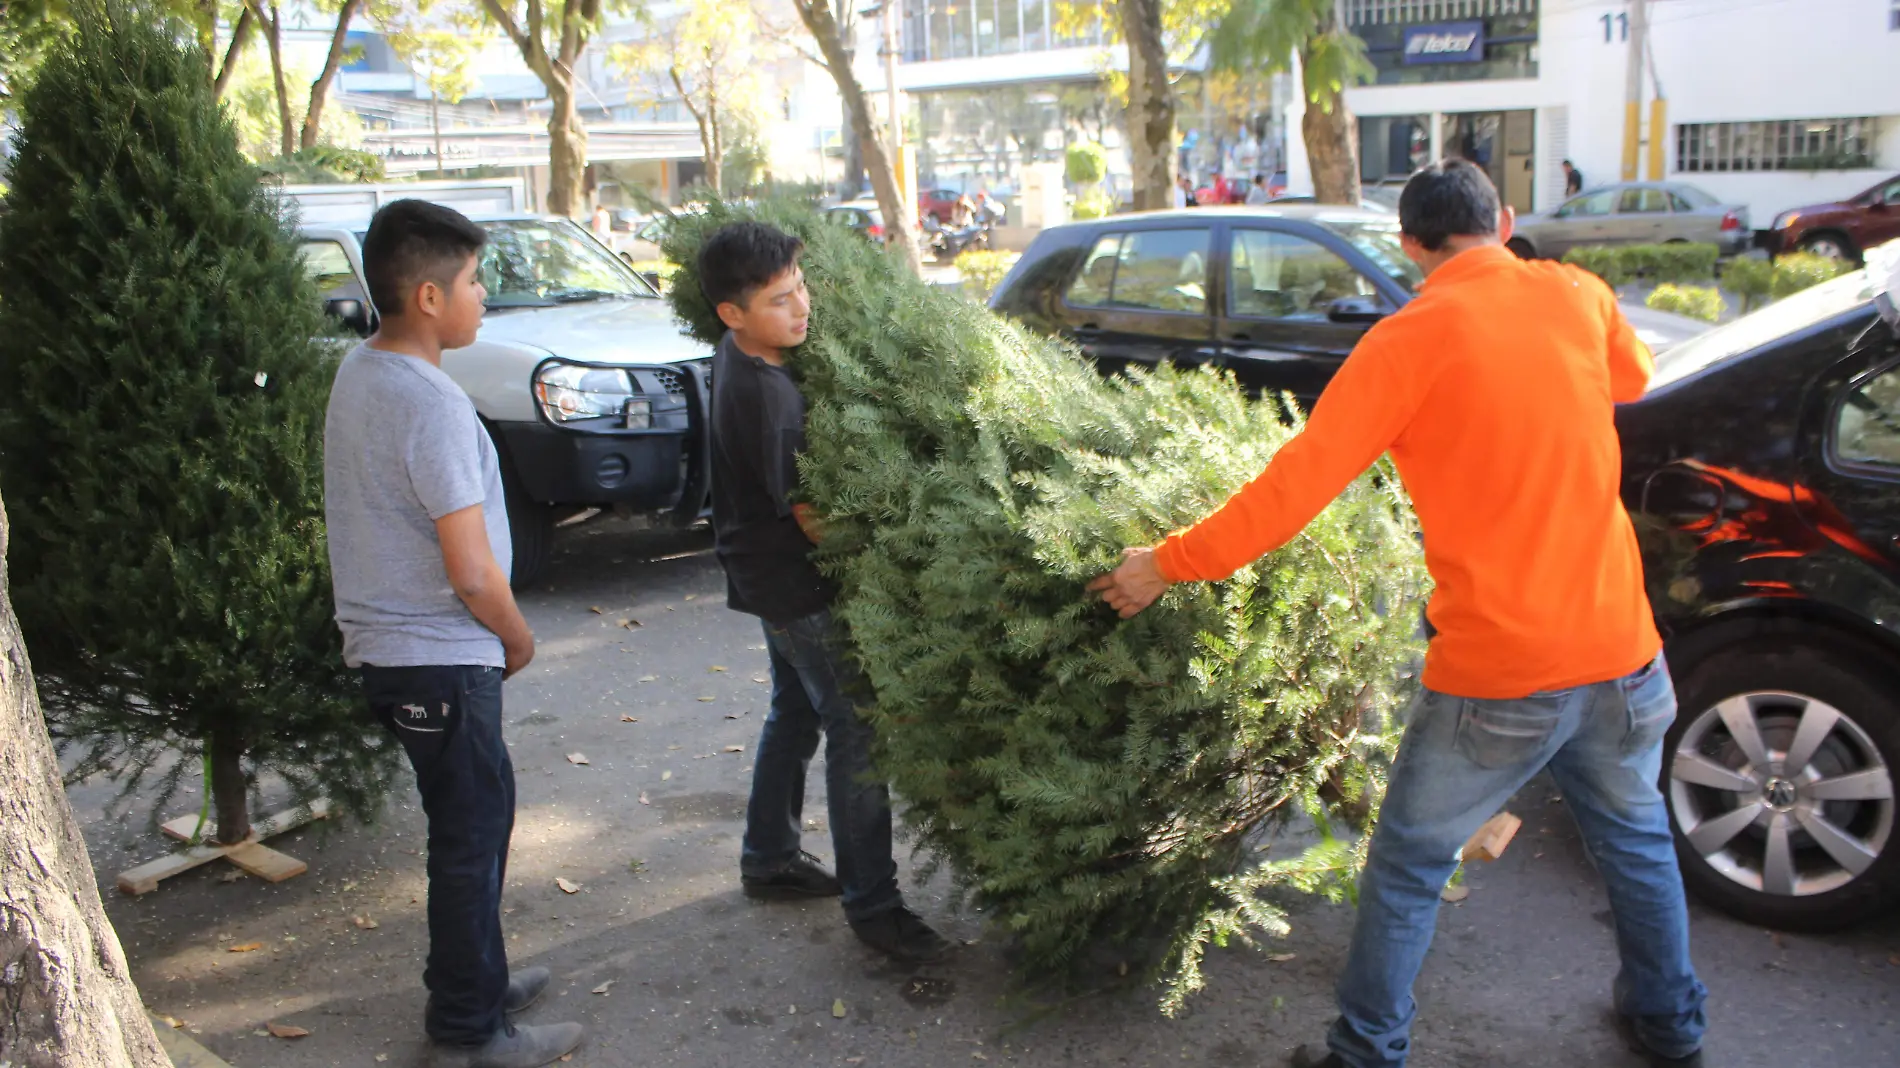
(1495,393)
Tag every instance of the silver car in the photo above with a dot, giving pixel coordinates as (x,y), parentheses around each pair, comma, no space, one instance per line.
(1634,213)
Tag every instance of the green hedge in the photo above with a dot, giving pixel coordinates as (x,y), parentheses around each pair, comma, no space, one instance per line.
(983,270)
(1696,302)
(1757,282)
(1677,262)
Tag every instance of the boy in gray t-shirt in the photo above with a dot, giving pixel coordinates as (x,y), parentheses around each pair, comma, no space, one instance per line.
(419,556)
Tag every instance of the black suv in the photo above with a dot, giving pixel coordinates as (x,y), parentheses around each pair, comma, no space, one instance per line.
(1762,470)
(1278,295)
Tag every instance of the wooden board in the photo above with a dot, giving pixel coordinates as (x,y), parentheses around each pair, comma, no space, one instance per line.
(250,855)
(145,877)
(271,825)
(265,863)
(1491,839)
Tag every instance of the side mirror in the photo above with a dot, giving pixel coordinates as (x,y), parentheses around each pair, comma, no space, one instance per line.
(352,313)
(1360,310)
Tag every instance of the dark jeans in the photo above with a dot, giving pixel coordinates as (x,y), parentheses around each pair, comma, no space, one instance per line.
(449,721)
(812,680)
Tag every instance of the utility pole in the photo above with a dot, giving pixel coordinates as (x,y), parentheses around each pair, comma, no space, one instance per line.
(1633,89)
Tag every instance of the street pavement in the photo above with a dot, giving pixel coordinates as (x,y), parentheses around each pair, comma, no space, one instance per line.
(664,960)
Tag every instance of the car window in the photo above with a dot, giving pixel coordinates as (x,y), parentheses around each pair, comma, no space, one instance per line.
(1164,270)
(1599,203)
(1091,287)
(327,265)
(1379,242)
(1696,197)
(1272,275)
(1891,195)
(1867,428)
(1680,202)
(531,263)
(1643,201)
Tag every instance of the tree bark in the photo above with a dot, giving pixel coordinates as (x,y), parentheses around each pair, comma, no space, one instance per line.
(567,138)
(230,791)
(240,36)
(435,125)
(332,62)
(900,225)
(1150,105)
(708,136)
(567,152)
(273,24)
(1332,148)
(66,997)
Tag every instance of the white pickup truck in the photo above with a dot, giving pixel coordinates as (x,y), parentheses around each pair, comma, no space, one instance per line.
(595,400)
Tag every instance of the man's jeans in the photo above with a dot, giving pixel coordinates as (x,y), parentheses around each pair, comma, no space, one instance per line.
(1461,759)
(449,721)
(812,683)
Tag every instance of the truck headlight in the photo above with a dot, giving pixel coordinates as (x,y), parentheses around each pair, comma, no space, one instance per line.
(1785,220)
(569,393)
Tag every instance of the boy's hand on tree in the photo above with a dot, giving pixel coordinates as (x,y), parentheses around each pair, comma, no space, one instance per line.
(1133,586)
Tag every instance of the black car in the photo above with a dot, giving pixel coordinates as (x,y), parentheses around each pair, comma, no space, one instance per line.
(1278,295)
(1762,471)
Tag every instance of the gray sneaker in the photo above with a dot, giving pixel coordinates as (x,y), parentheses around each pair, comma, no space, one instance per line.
(514,1046)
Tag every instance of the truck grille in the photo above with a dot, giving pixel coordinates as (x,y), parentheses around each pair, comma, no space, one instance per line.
(672,381)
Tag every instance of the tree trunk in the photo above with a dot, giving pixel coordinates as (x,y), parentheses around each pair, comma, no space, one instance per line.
(66,997)
(900,219)
(1332,148)
(567,152)
(240,36)
(716,161)
(230,792)
(332,62)
(435,124)
(1150,105)
(273,24)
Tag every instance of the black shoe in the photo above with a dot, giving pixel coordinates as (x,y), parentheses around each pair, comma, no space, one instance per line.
(902,935)
(803,877)
(525,987)
(1315,1055)
(1627,1028)
(513,1047)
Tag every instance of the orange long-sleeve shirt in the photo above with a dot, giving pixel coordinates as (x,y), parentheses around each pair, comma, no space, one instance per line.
(1495,393)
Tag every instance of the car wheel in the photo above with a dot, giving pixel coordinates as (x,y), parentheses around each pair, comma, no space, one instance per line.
(1832,245)
(1522,248)
(1779,776)
(530,529)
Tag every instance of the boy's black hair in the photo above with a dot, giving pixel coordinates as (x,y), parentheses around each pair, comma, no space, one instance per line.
(411,242)
(1446,199)
(741,257)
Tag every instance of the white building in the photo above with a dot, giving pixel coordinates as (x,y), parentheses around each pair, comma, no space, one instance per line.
(1771,103)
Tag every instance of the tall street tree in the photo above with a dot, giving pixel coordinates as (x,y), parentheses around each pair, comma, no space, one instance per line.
(705,58)
(1265,35)
(552,35)
(271,20)
(439,43)
(332,62)
(169,562)
(1150,104)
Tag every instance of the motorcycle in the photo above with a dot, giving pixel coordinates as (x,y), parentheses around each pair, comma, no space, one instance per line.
(947,242)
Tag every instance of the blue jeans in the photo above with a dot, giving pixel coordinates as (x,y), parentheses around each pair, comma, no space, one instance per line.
(813,679)
(449,721)
(1460,760)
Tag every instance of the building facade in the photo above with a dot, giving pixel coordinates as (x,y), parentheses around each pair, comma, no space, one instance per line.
(1770,103)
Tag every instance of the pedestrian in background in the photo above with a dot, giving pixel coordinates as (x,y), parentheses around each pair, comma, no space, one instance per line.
(1495,392)
(420,556)
(1573,179)
(1257,193)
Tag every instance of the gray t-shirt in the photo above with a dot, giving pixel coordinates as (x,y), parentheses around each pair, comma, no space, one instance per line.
(402,447)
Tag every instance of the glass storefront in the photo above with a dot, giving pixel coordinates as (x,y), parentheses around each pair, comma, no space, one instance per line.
(961,29)
(1391,147)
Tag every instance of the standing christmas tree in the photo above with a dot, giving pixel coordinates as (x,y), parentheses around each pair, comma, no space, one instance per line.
(162,385)
(1084,778)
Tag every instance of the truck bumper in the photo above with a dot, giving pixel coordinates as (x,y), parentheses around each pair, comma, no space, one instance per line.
(662,469)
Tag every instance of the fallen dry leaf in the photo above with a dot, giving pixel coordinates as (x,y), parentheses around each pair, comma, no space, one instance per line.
(172,1021)
(704,699)
(1454,894)
(643,798)
(629,719)
(735,749)
(665,775)
(717,667)
(245,947)
(649,678)
(381,1058)
(604,987)
(631,623)
(690,596)
(286,1030)
(837,1009)
(1281,958)
(760,678)
(567,886)
(577,758)
(595,609)
(231,876)
(365,923)
(734,715)
(671,748)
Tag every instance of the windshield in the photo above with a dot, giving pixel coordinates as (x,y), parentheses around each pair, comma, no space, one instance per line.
(1798,312)
(533,263)
(1379,242)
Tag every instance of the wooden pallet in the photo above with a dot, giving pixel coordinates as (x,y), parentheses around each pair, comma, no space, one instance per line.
(252,855)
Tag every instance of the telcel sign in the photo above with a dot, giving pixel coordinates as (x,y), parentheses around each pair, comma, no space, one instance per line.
(1445,42)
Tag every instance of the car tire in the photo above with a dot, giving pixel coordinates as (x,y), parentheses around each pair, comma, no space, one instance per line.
(1725,857)
(1522,248)
(530,529)
(1831,244)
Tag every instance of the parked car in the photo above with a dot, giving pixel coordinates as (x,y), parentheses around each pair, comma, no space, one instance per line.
(1364,204)
(1635,213)
(938,206)
(864,216)
(593,397)
(1762,471)
(1843,229)
(1277,295)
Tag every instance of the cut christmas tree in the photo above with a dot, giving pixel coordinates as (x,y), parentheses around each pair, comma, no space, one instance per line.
(163,374)
(1087,780)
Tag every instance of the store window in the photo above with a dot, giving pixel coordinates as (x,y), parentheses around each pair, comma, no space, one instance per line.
(960,29)
(1777,145)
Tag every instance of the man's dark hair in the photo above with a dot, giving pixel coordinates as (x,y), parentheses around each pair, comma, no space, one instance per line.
(1450,198)
(411,242)
(1567,163)
(740,258)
